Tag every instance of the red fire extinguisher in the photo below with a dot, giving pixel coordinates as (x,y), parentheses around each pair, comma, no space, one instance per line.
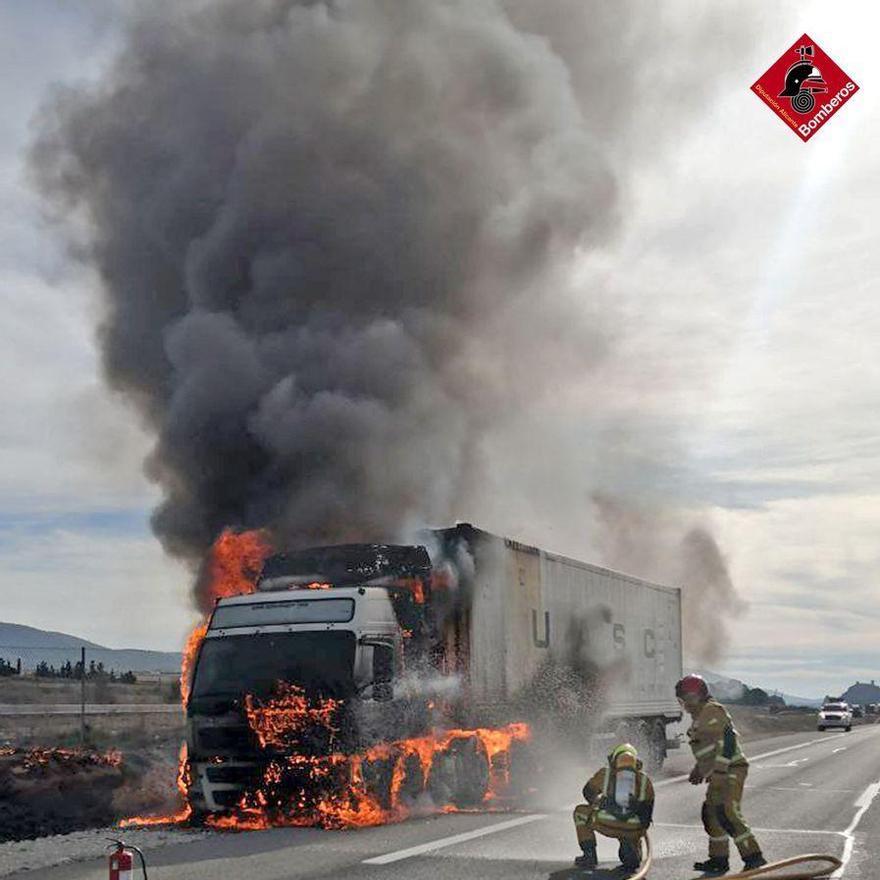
(122,860)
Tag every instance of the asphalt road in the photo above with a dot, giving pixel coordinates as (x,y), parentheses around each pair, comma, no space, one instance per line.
(807,792)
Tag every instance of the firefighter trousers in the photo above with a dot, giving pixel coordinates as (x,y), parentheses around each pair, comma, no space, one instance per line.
(722,814)
(588,820)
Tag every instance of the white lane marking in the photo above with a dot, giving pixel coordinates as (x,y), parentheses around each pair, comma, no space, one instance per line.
(756,830)
(809,785)
(862,804)
(793,763)
(401,854)
(841,749)
(503,826)
(772,754)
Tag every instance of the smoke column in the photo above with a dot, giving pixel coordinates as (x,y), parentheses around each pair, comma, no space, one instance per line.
(298,212)
(667,547)
(334,240)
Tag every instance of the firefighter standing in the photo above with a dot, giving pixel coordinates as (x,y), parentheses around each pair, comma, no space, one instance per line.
(620,803)
(721,763)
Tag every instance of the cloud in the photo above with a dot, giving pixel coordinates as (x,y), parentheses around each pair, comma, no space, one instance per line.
(105,580)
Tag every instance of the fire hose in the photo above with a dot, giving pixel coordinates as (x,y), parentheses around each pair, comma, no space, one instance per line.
(833,863)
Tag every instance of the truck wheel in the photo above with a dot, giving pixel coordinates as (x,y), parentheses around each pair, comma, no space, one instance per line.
(412,782)
(378,778)
(198,817)
(848,728)
(821,729)
(460,774)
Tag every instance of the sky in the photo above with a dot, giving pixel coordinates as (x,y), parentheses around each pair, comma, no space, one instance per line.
(743,276)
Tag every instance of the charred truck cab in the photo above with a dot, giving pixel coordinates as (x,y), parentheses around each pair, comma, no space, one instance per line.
(336,640)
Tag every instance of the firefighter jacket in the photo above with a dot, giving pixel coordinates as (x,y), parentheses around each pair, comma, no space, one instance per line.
(714,740)
(636,808)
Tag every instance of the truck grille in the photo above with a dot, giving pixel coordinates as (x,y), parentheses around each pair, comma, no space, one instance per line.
(225,738)
(233,774)
(226,797)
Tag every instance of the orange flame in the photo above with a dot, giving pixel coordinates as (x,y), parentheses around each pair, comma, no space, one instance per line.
(234,562)
(336,785)
(190,650)
(281,721)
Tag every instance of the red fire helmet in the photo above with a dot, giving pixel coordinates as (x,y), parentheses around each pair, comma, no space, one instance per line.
(692,686)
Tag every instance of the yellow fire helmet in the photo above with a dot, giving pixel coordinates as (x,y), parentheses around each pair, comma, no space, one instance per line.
(623,757)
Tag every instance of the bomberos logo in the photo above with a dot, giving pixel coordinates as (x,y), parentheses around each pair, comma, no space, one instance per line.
(805,87)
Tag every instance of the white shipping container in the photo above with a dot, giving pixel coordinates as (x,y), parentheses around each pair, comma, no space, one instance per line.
(529,605)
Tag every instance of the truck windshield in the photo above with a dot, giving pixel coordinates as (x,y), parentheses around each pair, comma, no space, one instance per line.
(321,662)
(294,611)
(833,707)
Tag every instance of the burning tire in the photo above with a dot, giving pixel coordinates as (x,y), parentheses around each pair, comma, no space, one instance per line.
(460,774)
(412,782)
(378,780)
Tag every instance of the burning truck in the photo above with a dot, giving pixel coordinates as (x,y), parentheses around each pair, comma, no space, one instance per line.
(356,684)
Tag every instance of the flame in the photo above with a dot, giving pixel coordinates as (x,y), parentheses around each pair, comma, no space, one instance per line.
(415,587)
(190,651)
(282,721)
(418,591)
(315,586)
(234,562)
(331,789)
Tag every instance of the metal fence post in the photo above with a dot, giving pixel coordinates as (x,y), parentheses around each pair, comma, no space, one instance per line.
(82,698)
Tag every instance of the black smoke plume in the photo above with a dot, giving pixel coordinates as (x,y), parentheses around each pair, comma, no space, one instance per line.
(669,547)
(307,218)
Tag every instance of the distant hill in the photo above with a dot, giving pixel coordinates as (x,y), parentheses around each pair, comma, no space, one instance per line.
(33,645)
(732,689)
(861,693)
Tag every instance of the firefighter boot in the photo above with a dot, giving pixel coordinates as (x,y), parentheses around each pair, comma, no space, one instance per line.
(713,865)
(750,863)
(588,859)
(628,853)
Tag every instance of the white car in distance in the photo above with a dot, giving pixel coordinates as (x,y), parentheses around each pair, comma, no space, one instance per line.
(835,715)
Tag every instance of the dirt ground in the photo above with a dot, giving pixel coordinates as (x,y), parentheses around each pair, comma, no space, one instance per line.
(27,689)
(61,793)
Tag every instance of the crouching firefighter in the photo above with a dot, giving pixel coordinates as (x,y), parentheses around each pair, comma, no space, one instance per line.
(620,804)
(720,762)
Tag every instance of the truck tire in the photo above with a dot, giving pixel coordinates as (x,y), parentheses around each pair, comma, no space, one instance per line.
(460,774)
(821,728)
(848,728)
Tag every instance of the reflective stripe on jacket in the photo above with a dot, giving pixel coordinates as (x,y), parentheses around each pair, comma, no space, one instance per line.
(714,740)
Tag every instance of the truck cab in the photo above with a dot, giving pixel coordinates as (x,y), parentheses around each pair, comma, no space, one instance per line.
(339,643)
